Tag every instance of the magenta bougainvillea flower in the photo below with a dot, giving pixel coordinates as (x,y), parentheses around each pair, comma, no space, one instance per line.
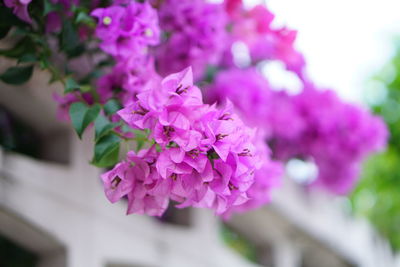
(137,179)
(338,136)
(266,179)
(206,156)
(20,8)
(196,35)
(187,151)
(314,124)
(127,30)
(259,104)
(254,28)
(127,78)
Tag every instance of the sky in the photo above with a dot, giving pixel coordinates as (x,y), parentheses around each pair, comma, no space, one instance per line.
(345,42)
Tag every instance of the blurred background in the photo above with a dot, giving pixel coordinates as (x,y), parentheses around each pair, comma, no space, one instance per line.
(354,40)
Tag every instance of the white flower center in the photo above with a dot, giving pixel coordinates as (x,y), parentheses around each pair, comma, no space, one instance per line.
(107,20)
(148,32)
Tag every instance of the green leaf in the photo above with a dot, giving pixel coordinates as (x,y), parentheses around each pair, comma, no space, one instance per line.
(44,62)
(211,71)
(81,116)
(102,126)
(7,18)
(4,31)
(106,151)
(76,52)
(112,106)
(27,58)
(85,19)
(69,40)
(109,159)
(50,7)
(22,47)
(141,137)
(17,75)
(70,85)
(85,88)
(105,63)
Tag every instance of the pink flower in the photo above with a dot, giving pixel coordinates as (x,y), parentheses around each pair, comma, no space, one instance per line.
(254,28)
(126,79)
(314,125)
(207,156)
(20,9)
(137,179)
(267,178)
(126,31)
(196,36)
(119,181)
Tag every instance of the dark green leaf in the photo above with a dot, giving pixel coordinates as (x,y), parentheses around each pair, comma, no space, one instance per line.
(50,7)
(44,62)
(109,159)
(7,18)
(17,75)
(3,31)
(103,126)
(27,58)
(140,138)
(112,106)
(70,85)
(211,71)
(69,37)
(105,63)
(22,47)
(96,73)
(106,151)
(85,19)
(81,116)
(76,52)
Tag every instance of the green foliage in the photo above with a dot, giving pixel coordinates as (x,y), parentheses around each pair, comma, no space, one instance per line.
(141,138)
(112,106)
(69,40)
(102,127)
(49,7)
(34,46)
(27,58)
(8,19)
(23,46)
(377,195)
(17,75)
(106,151)
(82,115)
(70,85)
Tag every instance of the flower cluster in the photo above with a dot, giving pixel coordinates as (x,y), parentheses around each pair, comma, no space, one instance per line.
(126,79)
(314,124)
(196,154)
(259,104)
(127,30)
(195,35)
(338,137)
(254,28)
(205,157)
